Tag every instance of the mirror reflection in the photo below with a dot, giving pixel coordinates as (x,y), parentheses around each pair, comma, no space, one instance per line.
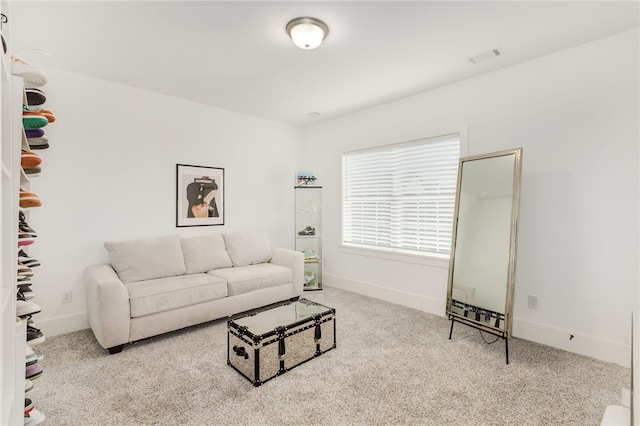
(482,266)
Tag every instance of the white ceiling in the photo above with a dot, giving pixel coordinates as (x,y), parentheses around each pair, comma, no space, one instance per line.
(236,55)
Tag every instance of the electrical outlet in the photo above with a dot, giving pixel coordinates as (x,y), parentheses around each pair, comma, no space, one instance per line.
(532,302)
(67,296)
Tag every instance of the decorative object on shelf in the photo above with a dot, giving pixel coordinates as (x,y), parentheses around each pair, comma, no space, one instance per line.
(307,33)
(306,179)
(308,224)
(200,195)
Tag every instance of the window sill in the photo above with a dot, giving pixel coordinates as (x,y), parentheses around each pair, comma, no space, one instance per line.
(398,256)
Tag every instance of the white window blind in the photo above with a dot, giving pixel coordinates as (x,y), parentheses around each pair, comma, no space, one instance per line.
(401,197)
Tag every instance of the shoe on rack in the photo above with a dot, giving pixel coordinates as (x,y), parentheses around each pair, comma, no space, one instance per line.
(34,121)
(23,268)
(28,406)
(25,242)
(30,356)
(21,280)
(30,320)
(29,159)
(38,112)
(309,278)
(34,418)
(28,199)
(33,133)
(38,143)
(47,114)
(308,231)
(35,96)
(24,308)
(38,353)
(25,296)
(22,223)
(24,288)
(26,260)
(33,171)
(33,371)
(310,256)
(23,234)
(34,335)
(25,274)
(28,386)
(33,75)
(26,229)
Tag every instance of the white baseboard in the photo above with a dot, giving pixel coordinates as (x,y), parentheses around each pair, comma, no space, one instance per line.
(422,303)
(582,344)
(593,347)
(62,325)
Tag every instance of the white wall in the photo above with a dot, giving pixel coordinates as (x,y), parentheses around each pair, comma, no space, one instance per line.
(110,174)
(575,114)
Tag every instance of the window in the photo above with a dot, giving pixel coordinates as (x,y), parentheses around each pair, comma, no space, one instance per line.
(401,197)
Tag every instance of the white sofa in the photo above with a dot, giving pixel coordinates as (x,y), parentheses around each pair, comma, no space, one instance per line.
(156,285)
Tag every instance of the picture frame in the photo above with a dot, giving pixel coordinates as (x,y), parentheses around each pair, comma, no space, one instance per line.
(199,195)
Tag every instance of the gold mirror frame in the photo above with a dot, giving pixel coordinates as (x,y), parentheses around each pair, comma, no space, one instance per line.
(491,320)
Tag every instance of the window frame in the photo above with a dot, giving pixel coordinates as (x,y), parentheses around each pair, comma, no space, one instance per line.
(391,253)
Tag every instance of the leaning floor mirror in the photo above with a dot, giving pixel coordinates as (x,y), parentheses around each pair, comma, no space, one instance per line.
(483,249)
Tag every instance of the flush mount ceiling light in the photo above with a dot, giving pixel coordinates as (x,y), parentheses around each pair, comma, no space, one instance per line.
(307,33)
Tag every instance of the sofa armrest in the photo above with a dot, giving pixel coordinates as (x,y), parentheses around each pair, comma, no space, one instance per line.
(107,306)
(293,260)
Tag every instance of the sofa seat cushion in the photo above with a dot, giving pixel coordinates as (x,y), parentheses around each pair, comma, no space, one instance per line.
(253,277)
(165,294)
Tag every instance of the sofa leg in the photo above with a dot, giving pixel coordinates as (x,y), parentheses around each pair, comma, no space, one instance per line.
(115,349)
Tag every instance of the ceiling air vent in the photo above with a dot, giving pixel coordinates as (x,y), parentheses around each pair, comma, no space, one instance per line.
(484,56)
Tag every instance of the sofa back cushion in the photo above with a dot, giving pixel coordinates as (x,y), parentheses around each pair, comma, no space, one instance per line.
(146,259)
(248,248)
(204,253)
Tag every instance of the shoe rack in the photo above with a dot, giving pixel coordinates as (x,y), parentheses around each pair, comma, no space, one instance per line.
(13,328)
(308,230)
(17,357)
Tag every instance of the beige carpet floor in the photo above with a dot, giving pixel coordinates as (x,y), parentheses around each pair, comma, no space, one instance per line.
(392,366)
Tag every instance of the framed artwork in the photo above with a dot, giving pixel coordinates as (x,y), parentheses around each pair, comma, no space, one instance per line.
(199,195)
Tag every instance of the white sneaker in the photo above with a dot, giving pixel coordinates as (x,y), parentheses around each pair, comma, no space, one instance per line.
(35,417)
(28,386)
(31,356)
(24,308)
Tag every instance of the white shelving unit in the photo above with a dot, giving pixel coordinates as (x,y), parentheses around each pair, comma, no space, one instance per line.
(309,233)
(13,338)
